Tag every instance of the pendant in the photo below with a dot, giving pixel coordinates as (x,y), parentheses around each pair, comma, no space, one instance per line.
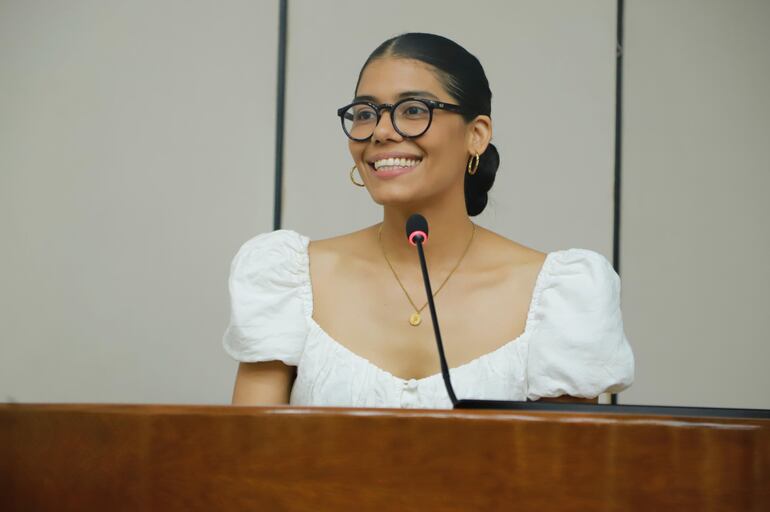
(415,319)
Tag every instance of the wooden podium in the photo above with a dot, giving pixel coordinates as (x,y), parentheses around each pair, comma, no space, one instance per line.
(220,458)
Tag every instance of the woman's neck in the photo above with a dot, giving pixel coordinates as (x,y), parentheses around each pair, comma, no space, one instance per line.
(450,230)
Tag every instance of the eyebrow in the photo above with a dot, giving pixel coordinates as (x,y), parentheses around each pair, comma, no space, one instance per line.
(405,94)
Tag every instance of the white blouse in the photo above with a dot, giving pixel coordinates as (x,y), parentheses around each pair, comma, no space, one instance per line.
(573,341)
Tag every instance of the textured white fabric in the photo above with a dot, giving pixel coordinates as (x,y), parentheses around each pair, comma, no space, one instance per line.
(573,341)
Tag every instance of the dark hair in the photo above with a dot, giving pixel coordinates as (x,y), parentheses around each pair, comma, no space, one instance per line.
(461,74)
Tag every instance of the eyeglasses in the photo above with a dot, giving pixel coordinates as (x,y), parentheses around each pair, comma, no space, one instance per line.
(411,117)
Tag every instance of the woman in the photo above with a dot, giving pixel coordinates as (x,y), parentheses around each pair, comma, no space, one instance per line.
(343,321)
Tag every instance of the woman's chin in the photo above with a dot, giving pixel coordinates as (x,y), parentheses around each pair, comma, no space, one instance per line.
(394,197)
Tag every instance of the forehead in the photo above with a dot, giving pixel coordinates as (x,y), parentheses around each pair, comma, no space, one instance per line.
(386,78)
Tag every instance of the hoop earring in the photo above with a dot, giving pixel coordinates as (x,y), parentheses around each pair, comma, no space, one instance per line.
(475,163)
(352,170)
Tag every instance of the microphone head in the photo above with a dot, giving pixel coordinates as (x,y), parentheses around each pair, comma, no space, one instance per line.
(416,226)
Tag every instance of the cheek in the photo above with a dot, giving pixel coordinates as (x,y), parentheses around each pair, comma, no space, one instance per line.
(356,149)
(446,150)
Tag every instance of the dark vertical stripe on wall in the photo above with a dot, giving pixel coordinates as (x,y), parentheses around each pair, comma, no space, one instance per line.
(280,103)
(618,147)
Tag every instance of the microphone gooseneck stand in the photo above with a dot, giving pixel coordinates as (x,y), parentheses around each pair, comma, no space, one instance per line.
(418,239)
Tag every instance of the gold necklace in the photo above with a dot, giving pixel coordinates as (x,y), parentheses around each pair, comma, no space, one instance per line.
(415,319)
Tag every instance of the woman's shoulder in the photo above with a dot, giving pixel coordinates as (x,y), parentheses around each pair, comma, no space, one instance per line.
(270,298)
(345,241)
(501,251)
(586,271)
(511,252)
(343,250)
(511,249)
(508,259)
(564,279)
(276,240)
(580,348)
(268,262)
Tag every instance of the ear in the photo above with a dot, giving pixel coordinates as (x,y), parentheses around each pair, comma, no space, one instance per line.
(479,135)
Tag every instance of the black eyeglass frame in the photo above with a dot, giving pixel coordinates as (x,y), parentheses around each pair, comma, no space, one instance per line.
(430,104)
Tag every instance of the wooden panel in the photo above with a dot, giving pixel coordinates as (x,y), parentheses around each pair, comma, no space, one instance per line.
(132,457)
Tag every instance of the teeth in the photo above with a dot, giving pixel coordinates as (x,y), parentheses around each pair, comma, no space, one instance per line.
(395,162)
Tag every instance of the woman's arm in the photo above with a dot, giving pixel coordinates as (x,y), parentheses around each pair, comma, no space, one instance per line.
(263,383)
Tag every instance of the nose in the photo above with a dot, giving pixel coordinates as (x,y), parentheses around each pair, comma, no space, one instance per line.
(384,130)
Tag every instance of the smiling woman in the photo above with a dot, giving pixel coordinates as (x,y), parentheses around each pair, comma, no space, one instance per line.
(337,321)
(443,73)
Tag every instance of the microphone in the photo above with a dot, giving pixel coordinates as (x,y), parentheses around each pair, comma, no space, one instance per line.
(417,234)
(417,226)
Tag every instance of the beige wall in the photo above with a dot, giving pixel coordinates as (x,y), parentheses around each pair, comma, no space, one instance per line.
(136,155)
(695,241)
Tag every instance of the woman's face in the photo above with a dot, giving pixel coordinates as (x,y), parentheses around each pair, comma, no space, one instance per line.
(441,153)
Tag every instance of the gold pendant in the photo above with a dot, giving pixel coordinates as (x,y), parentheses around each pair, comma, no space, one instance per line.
(415,319)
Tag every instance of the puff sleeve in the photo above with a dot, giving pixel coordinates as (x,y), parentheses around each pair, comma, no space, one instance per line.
(579,347)
(270,299)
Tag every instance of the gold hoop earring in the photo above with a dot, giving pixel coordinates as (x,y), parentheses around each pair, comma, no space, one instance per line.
(474,164)
(352,170)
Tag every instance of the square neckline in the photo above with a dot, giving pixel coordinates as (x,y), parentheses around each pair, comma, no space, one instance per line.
(528,324)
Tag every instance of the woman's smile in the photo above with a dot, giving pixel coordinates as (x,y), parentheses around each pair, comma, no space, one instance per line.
(390,165)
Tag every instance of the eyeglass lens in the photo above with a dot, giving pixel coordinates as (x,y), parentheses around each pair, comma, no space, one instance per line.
(411,118)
